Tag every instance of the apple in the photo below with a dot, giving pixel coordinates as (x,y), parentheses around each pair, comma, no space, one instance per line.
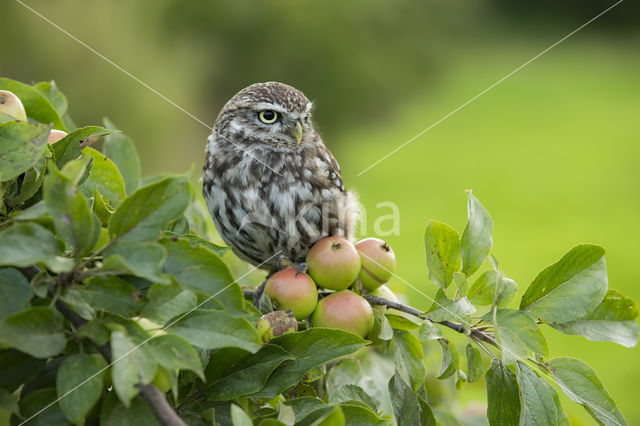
(276,324)
(333,263)
(290,289)
(386,293)
(11,105)
(378,262)
(346,311)
(56,135)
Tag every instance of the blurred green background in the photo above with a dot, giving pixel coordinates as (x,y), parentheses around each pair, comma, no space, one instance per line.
(553,152)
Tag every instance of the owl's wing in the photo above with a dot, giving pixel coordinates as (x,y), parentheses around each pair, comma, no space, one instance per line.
(335,175)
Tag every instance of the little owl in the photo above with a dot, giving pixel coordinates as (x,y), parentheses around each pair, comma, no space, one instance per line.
(271,186)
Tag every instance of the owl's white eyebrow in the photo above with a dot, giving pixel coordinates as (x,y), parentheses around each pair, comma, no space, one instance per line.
(261,106)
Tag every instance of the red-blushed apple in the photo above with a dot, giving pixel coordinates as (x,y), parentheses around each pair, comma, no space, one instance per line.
(11,105)
(378,262)
(56,135)
(290,289)
(276,324)
(346,311)
(333,263)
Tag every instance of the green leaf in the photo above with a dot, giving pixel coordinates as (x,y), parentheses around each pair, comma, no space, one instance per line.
(249,375)
(70,147)
(199,269)
(36,331)
(444,309)
(115,414)
(450,359)
(460,280)
(79,385)
(358,415)
(195,241)
(56,98)
(442,244)
(536,398)
(78,226)
(612,321)
(517,334)
(22,146)
(142,215)
(404,401)
(346,372)
(349,392)
(31,182)
(503,395)
(8,404)
(96,331)
(403,322)
(72,296)
(580,383)
(140,258)
(307,409)
(167,302)
(111,294)
(310,348)
(474,363)
(382,324)
(104,177)
(32,404)
(428,331)
(25,244)
(15,292)
(239,417)
(121,150)
(102,208)
(174,353)
(408,359)
(37,106)
(131,364)
(335,417)
(18,368)
(212,329)
(570,288)
(476,240)
(427,417)
(483,290)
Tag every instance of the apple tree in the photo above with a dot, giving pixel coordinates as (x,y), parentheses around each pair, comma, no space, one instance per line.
(118,309)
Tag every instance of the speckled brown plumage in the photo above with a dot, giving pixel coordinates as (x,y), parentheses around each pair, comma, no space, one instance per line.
(267,192)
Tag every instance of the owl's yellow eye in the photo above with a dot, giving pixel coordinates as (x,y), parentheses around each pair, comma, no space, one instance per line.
(268,116)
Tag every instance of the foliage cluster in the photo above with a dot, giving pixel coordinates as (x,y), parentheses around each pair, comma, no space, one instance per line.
(111,286)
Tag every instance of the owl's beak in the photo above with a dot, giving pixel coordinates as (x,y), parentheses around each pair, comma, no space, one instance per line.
(296,132)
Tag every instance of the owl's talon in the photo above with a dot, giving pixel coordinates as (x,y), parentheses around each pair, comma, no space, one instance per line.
(301,269)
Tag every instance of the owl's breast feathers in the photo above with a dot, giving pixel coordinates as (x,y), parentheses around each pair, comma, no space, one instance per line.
(264,201)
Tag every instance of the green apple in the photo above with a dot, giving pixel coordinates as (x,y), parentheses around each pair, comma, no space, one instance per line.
(333,263)
(290,289)
(378,262)
(346,311)
(276,324)
(56,135)
(11,105)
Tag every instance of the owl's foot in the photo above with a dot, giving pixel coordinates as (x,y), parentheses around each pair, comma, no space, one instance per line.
(302,268)
(257,294)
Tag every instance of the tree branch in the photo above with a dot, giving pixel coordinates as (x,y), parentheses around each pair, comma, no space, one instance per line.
(473,332)
(161,408)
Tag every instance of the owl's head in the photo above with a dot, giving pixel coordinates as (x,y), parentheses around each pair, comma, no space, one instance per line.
(272,113)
